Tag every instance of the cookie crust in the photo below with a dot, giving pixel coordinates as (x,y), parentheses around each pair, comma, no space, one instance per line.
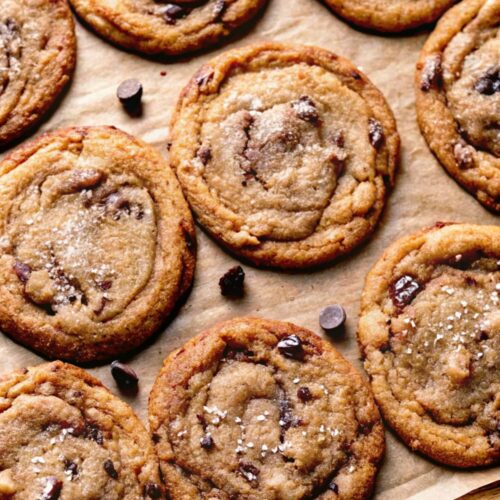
(37,59)
(270,161)
(98,243)
(429,334)
(232,383)
(389,16)
(458,118)
(60,428)
(146,27)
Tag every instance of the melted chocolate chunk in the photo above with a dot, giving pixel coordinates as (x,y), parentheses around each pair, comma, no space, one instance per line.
(306,109)
(204,76)
(249,471)
(52,489)
(152,490)
(204,154)
(291,347)
(125,377)
(156,437)
(489,83)
(403,291)
(173,12)
(206,442)
(332,318)
(105,285)
(337,138)
(23,271)
(375,133)
(110,469)
(71,468)
(432,73)
(304,394)
(232,283)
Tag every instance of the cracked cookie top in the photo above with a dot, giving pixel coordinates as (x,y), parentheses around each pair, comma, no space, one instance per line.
(37,58)
(262,409)
(458,96)
(390,15)
(63,436)
(284,153)
(160,27)
(430,335)
(95,250)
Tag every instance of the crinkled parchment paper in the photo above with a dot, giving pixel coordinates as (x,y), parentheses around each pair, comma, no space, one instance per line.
(423,195)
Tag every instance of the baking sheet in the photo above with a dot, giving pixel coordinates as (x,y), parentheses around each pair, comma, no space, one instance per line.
(423,195)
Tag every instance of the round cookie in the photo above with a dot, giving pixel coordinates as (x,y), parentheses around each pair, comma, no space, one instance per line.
(263,409)
(391,16)
(154,27)
(37,58)
(285,153)
(430,335)
(97,243)
(458,97)
(63,436)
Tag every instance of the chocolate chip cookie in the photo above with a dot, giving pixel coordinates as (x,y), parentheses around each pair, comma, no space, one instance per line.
(430,335)
(458,97)
(263,409)
(64,436)
(37,58)
(159,27)
(97,243)
(390,16)
(285,153)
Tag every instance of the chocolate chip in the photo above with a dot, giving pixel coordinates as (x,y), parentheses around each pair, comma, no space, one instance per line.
(304,394)
(105,285)
(464,154)
(375,133)
(291,347)
(489,84)
(110,469)
(232,283)
(204,154)
(125,377)
(22,270)
(332,318)
(130,94)
(52,489)
(93,432)
(173,12)
(206,442)
(333,487)
(249,471)
(152,490)
(306,109)
(432,73)
(71,468)
(403,291)
(337,138)
(155,438)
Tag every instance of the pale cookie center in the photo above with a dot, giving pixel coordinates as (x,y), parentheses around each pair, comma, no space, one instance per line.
(445,347)
(83,243)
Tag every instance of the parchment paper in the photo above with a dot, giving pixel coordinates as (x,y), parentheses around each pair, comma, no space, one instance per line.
(423,195)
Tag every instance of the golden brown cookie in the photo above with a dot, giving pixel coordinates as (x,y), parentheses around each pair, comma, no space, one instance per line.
(390,16)
(97,243)
(159,27)
(430,335)
(64,436)
(285,153)
(37,58)
(458,97)
(262,409)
